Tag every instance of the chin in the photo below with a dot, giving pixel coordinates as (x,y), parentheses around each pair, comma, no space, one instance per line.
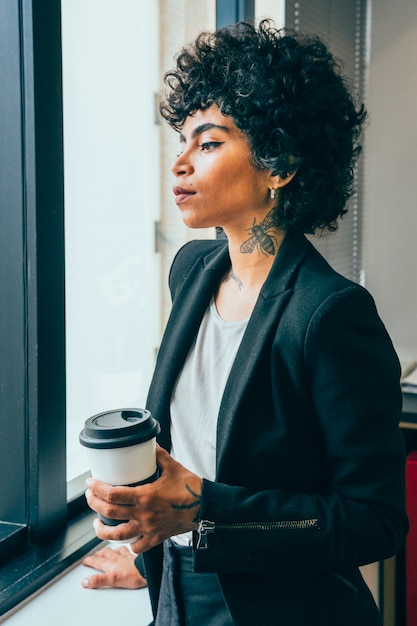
(195,222)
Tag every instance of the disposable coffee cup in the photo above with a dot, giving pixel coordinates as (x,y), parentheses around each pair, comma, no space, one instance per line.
(121,448)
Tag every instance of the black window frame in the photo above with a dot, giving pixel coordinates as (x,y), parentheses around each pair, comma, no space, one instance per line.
(41,533)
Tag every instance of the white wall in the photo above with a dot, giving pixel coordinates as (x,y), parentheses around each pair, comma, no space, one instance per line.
(391,163)
(274,9)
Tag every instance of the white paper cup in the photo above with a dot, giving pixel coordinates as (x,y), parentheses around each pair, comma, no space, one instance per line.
(121,447)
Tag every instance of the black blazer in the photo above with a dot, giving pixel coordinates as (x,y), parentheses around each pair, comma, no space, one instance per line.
(310,458)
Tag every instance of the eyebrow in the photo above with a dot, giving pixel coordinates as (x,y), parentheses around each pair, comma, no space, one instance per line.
(202,128)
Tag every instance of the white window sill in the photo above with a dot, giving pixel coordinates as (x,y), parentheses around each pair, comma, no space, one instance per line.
(65,603)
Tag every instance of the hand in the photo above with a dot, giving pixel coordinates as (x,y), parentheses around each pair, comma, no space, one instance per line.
(156,511)
(118,567)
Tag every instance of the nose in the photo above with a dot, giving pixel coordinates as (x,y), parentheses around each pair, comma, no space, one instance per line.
(182,165)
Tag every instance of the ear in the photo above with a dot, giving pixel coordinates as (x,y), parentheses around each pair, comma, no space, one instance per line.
(278,181)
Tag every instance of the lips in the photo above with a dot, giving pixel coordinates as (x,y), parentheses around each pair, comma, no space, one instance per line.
(182,194)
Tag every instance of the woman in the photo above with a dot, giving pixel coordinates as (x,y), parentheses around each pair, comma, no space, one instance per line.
(276,385)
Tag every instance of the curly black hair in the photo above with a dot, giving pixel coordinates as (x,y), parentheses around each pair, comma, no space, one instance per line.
(286,92)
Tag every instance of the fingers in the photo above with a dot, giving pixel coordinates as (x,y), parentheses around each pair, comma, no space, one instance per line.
(162,457)
(110,504)
(167,464)
(117,579)
(139,542)
(99,581)
(109,493)
(166,507)
(102,559)
(117,567)
(121,532)
(145,543)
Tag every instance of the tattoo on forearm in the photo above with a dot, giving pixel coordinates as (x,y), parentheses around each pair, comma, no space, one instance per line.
(192,505)
(261,237)
(232,276)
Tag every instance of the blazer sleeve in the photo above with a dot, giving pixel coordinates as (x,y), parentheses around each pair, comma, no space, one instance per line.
(351,372)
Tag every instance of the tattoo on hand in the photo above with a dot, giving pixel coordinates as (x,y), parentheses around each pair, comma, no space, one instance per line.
(192,505)
(261,237)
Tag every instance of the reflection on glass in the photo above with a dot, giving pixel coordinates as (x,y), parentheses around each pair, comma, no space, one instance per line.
(118,194)
(111,205)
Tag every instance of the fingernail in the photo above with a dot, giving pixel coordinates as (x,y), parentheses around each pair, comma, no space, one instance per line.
(89,482)
(85,582)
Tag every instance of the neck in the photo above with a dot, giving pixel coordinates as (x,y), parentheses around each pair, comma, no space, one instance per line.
(253,253)
(251,263)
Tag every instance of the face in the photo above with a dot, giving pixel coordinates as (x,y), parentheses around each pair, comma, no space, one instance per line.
(216,182)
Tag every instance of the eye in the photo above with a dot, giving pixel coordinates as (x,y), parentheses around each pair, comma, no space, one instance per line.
(208,146)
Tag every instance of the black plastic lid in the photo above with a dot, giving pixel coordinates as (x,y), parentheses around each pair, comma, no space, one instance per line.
(119,428)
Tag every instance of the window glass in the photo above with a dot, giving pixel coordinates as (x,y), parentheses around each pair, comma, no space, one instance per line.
(121,224)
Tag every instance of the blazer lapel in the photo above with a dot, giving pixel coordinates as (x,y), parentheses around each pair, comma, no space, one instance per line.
(188,309)
(189,306)
(264,320)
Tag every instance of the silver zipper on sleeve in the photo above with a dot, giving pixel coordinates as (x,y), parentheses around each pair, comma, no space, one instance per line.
(206,528)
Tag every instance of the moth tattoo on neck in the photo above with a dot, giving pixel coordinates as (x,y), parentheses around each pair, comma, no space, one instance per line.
(261,237)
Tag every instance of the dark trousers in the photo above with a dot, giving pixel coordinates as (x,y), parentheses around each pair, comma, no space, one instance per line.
(188,598)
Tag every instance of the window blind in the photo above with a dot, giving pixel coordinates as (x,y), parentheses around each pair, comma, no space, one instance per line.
(342,26)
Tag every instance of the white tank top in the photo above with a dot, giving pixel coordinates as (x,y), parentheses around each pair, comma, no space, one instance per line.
(197,395)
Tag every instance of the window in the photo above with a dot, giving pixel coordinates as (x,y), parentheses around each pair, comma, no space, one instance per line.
(46,279)
(33,506)
(112,202)
(122,226)
(342,25)
(12,279)
(41,533)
